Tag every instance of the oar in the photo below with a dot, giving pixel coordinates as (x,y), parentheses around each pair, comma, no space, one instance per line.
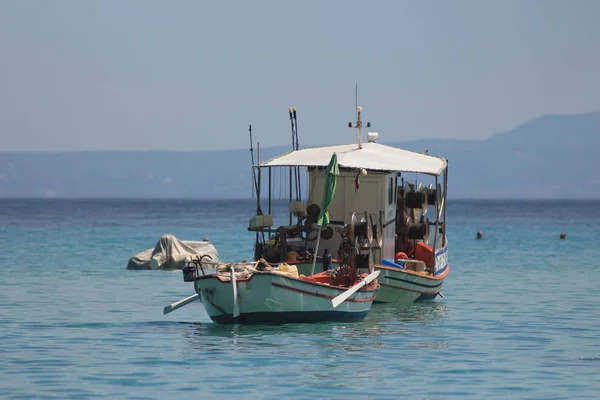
(336,301)
(180,304)
(236,306)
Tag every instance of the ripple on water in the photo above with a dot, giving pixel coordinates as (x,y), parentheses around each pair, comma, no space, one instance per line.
(519,317)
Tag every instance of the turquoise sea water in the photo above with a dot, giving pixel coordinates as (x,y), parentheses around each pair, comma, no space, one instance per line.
(520,317)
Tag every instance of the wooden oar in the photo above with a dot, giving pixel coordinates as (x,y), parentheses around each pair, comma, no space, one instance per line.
(336,301)
(180,304)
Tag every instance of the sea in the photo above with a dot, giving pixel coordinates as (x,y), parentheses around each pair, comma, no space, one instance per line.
(520,316)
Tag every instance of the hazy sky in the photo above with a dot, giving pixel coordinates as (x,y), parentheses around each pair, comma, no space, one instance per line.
(87,75)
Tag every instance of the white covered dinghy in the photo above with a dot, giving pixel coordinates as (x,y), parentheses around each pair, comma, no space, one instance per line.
(170,253)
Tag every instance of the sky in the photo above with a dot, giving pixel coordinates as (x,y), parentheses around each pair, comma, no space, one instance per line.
(192,75)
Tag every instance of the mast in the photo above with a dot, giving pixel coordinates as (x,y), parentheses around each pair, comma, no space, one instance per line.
(359,126)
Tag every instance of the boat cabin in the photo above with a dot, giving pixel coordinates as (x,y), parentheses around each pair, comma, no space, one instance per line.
(397,195)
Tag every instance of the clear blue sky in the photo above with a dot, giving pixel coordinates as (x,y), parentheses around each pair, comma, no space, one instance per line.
(87,75)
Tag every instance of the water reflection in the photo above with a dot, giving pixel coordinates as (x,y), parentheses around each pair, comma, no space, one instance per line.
(384,323)
(417,313)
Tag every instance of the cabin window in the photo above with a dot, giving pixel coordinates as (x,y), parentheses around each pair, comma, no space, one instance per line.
(391,191)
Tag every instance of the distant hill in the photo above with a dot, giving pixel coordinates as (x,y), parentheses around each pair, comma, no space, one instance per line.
(554,156)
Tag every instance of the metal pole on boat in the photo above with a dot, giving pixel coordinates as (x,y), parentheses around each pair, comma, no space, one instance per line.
(437,222)
(291,184)
(258,181)
(258,187)
(291,111)
(445,200)
(255,182)
(298,183)
(252,159)
(270,190)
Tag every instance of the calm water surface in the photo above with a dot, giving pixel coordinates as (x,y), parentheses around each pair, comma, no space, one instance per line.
(520,317)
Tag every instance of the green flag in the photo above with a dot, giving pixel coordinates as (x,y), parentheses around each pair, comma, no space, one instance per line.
(331,174)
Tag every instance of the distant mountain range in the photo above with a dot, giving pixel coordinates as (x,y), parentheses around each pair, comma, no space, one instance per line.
(556,156)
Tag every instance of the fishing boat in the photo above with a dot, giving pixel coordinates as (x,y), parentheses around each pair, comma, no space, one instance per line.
(404,195)
(260,293)
(368,201)
(264,292)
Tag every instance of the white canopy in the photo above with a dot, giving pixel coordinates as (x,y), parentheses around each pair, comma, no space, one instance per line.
(372,156)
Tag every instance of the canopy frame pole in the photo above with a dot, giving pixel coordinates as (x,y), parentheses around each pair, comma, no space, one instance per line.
(445,201)
(437,223)
(270,188)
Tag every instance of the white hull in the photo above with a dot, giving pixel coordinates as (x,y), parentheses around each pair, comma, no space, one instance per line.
(267,297)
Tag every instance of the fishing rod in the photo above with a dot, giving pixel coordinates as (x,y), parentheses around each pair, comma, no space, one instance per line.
(292,112)
(255,186)
(292,168)
(298,181)
(292,124)
(296,127)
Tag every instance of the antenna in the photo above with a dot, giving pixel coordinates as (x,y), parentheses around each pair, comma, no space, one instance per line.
(356,99)
(358,125)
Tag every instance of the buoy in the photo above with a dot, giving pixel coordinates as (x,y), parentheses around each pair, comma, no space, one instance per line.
(400,256)
(479,235)
(563,235)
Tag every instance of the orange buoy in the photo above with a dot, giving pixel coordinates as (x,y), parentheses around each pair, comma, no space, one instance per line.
(400,256)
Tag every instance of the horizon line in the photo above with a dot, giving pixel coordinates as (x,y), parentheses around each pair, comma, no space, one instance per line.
(527,199)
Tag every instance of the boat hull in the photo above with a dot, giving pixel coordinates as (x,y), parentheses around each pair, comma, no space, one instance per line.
(404,286)
(268,298)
